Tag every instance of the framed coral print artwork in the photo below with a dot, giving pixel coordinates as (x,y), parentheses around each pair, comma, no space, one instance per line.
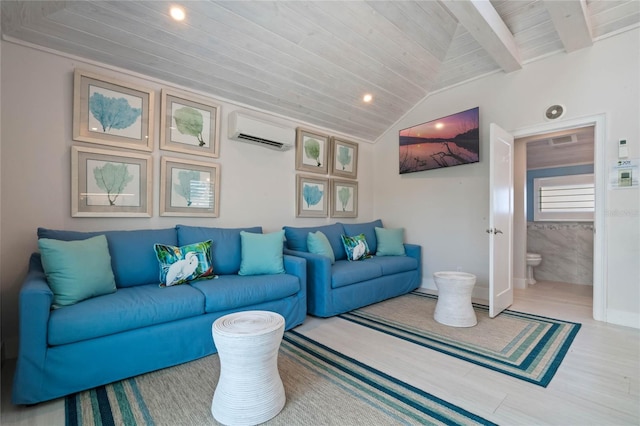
(344,198)
(312,198)
(189,124)
(111,112)
(344,158)
(189,188)
(312,151)
(107,183)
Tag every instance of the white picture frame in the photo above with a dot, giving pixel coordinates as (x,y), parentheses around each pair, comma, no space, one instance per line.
(189,124)
(312,196)
(108,183)
(111,112)
(344,158)
(189,188)
(344,198)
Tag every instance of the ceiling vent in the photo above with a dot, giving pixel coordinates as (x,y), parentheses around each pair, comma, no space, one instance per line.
(260,131)
(563,140)
(554,112)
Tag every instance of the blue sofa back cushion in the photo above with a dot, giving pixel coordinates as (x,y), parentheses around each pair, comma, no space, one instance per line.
(132,257)
(226,249)
(296,238)
(368,229)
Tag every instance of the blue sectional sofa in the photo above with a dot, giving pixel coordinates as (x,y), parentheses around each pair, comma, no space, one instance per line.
(140,327)
(345,285)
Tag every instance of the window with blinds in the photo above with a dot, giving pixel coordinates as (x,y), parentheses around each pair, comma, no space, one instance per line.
(564,198)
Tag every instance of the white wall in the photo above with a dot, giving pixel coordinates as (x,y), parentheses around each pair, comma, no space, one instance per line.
(257,184)
(446,210)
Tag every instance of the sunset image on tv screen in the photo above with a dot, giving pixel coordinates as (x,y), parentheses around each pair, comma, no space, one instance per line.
(445,142)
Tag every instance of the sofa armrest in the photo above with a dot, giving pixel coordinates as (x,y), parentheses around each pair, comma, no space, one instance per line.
(318,279)
(34,307)
(415,251)
(297,266)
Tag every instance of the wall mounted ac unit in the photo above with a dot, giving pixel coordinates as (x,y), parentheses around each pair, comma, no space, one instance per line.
(260,131)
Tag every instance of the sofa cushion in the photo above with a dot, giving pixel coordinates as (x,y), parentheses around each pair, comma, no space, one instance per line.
(126,309)
(356,247)
(179,265)
(344,273)
(317,243)
(77,270)
(234,291)
(368,229)
(296,238)
(390,242)
(395,264)
(261,253)
(132,258)
(226,244)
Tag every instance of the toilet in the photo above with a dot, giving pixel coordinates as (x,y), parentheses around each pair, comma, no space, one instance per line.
(533,259)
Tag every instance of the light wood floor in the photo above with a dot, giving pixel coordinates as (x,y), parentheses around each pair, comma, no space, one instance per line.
(598,382)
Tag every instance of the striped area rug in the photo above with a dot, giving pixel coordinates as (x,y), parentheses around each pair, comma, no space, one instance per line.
(525,346)
(322,386)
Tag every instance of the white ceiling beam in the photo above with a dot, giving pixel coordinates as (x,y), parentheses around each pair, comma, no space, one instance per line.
(485,25)
(571,21)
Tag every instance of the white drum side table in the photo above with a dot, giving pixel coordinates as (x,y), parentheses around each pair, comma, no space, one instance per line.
(454,306)
(249,389)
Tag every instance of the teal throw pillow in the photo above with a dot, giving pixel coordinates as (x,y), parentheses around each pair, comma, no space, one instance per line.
(318,243)
(179,265)
(77,270)
(356,247)
(390,242)
(261,253)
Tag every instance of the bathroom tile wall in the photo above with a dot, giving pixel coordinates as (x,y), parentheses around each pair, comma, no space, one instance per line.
(566,249)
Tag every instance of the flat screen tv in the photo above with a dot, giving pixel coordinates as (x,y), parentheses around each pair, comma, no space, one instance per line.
(448,141)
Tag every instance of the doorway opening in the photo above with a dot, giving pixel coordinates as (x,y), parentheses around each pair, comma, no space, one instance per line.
(593,125)
(555,192)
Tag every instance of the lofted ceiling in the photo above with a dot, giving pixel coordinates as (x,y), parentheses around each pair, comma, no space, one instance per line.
(314,60)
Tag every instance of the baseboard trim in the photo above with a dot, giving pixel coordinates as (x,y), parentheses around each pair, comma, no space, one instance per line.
(627,319)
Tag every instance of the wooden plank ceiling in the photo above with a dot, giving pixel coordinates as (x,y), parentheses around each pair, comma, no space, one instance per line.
(314,60)
(560,149)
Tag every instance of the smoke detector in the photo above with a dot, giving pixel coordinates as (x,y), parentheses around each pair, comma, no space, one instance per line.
(554,112)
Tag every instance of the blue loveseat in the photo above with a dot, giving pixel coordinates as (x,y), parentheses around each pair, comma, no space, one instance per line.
(345,285)
(140,327)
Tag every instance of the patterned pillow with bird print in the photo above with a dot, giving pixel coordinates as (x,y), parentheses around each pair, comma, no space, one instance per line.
(179,265)
(356,247)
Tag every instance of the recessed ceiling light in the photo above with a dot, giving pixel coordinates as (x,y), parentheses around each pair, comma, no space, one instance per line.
(177,13)
(367,98)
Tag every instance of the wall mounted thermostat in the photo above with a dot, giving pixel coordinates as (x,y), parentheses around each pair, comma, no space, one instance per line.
(624,174)
(624,177)
(623,151)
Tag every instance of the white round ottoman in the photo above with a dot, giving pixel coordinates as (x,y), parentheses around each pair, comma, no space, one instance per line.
(249,390)
(454,299)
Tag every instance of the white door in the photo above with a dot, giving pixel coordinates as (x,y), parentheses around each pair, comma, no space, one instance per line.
(500,220)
